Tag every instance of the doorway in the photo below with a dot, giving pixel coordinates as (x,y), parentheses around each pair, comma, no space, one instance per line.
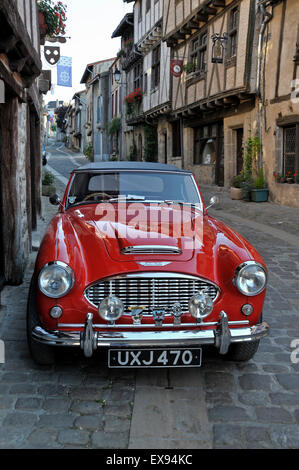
(239,150)
(165,147)
(219,170)
(2,270)
(33,169)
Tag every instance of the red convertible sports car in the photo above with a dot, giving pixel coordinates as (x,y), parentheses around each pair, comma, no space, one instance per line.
(133,263)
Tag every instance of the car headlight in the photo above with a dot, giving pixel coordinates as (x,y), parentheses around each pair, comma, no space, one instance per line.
(111,308)
(201,305)
(56,279)
(250,278)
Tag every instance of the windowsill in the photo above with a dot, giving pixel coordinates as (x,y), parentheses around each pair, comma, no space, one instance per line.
(194,77)
(175,158)
(206,164)
(153,90)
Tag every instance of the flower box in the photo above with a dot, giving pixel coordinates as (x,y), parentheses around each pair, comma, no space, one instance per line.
(236,193)
(259,195)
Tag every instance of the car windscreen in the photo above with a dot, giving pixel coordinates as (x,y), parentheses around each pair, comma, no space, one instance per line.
(139,185)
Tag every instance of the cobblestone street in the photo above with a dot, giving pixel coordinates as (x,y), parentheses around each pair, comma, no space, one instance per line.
(80,403)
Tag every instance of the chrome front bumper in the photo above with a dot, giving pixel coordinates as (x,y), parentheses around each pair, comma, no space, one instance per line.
(89,340)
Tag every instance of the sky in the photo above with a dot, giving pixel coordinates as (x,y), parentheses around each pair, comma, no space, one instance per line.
(90,24)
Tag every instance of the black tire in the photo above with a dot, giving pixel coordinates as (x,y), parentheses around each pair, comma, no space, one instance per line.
(241,352)
(41,354)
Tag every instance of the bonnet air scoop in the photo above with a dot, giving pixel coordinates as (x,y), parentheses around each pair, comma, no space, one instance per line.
(151,250)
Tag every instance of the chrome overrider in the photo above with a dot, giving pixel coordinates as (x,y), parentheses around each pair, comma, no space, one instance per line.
(89,340)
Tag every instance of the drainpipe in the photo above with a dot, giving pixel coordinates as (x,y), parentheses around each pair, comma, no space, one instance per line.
(265,18)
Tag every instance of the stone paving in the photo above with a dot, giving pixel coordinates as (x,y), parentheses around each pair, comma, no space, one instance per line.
(279,217)
(80,403)
(256,404)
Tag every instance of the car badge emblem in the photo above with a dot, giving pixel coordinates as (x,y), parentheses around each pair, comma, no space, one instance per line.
(177,312)
(158,316)
(136,313)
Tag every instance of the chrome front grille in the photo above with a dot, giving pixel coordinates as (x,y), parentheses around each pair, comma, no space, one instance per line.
(152,290)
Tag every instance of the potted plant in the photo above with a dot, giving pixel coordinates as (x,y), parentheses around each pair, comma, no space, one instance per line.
(88,151)
(289,177)
(115,126)
(52,18)
(260,192)
(120,53)
(279,178)
(132,101)
(189,67)
(236,187)
(47,184)
(247,186)
(128,43)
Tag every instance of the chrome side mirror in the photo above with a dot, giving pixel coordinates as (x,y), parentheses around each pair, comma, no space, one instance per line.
(55,200)
(213,201)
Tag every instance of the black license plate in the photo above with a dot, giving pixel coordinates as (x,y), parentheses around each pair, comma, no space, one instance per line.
(138,358)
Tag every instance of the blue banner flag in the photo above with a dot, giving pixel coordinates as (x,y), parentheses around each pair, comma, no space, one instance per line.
(64,72)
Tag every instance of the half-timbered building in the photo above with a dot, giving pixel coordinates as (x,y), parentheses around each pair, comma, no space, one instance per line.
(20,128)
(115,116)
(149,78)
(125,68)
(213,99)
(278,97)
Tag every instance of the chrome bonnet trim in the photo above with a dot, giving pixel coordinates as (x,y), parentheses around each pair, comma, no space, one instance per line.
(151,250)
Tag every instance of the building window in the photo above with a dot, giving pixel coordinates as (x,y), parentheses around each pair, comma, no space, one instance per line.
(116,102)
(138,71)
(207,140)
(140,11)
(198,53)
(290,150)
(156,66)
(176,139)
(233,32)
(112,105)
(148,5)
(99,110)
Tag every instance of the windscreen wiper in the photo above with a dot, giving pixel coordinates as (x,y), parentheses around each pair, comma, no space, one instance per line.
(182,203)
(129,197)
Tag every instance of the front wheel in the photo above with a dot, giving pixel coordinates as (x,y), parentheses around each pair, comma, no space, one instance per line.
(241,352)
(41,354)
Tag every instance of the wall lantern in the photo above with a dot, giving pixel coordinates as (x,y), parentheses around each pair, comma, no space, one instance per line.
(117,75)
(218,47)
